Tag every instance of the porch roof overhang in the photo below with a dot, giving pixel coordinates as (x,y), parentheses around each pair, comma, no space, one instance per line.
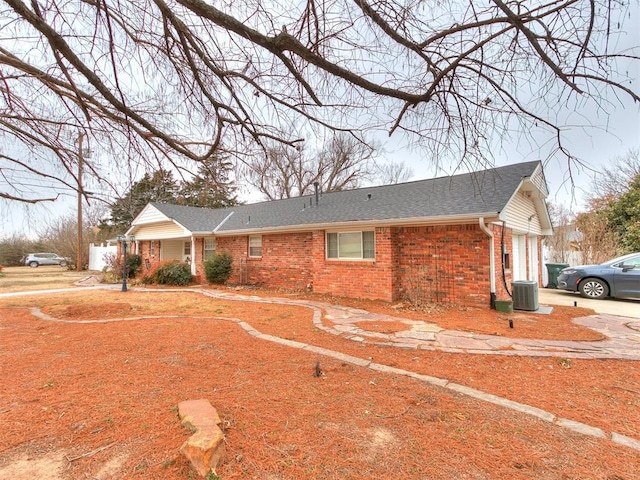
(135,230)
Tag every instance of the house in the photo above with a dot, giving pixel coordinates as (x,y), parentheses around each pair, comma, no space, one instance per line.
(459,239)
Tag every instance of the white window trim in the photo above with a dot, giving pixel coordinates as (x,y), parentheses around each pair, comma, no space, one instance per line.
(204,247)
(349,259)
(259,237)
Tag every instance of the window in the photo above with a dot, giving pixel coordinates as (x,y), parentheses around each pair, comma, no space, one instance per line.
(152,248)
(187,248)
(633,261)
(209,248)
(255,246)
(351,245)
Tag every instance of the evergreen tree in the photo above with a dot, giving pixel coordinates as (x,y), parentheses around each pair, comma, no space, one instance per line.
(624,216)
(160,186)
(211,187)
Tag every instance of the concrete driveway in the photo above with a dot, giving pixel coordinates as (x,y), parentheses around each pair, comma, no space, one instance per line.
(621,307)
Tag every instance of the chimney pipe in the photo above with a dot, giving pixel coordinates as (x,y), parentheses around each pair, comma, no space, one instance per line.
(316,185)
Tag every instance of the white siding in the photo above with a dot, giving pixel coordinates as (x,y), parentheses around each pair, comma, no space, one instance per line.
(518,212)
(538,180)
(161,231)
(150,214)
(172,250)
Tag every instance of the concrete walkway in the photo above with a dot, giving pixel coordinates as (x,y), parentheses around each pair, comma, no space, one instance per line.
(623,307)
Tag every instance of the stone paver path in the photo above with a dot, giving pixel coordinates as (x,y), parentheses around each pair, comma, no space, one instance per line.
(622,333)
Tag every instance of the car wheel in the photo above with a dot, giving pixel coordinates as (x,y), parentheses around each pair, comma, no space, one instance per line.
(63,263)
(593,288)
(33,264)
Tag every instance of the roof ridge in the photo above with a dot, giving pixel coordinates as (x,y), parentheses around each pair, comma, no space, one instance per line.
(465,194)
(392,185)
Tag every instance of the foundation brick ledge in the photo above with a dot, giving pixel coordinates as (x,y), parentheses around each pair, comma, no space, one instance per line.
(205,447)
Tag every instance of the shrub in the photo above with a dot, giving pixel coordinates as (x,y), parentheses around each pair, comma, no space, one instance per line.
(173,273)
(133,265)
(113,268)
(218,268)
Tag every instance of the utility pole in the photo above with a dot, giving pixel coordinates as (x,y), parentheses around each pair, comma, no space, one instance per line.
(80,191)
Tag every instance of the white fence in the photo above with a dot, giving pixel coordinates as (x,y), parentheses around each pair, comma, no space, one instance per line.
(98,252)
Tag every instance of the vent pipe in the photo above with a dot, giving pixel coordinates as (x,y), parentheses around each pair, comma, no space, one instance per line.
(316,186)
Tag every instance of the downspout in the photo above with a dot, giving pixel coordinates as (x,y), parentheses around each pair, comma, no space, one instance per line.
(504,276)
(492,261)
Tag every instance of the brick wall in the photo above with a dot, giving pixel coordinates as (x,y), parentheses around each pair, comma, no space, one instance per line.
(144,250)
(438,264)
(500,236)
(443,264)
(370,279)
(286,260)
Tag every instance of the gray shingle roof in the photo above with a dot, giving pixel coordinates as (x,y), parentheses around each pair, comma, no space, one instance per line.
(470,194)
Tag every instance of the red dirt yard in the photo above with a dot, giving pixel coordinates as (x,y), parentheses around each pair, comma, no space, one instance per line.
(98,400)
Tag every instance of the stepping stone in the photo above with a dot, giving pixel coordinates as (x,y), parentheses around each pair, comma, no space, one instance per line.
(205,447)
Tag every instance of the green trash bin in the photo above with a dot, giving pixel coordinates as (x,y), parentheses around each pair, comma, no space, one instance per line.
(554,269)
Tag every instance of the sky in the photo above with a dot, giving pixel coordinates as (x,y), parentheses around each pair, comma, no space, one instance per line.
(596,147)
(611,136)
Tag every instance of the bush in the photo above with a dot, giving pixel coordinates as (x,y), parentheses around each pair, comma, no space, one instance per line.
(173,273)
(218,269)
(113,268)
(133,265)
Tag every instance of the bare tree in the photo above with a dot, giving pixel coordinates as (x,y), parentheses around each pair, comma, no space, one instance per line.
(391,173)
(614,181)
(284,172)
(59,234)
(177,82)
(599,240)
(564,238)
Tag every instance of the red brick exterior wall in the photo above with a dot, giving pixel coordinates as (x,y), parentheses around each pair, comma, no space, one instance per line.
(436,264)
(443,264)
(144,250)
(286,260)
(371,279)
(504,272)
(297,261)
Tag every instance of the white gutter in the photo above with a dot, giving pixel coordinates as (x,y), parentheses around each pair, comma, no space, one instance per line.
(492,259)
(449,219)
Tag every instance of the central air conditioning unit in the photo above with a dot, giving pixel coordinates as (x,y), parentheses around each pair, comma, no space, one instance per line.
(525,295)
